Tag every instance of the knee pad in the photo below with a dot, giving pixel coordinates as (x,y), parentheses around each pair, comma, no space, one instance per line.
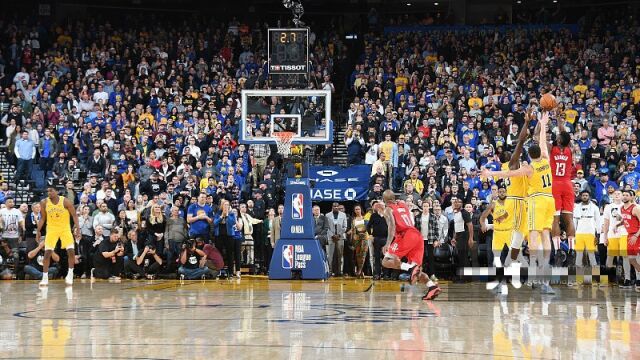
(516,240)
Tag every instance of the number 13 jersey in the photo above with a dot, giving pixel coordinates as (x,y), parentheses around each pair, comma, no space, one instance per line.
(561,164)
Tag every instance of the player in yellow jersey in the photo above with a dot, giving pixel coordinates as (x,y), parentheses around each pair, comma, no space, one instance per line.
(502,229)
(517,195)
(57,213)
(540,202)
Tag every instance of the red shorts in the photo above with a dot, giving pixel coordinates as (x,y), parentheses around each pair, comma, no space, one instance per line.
(633,250)
(564,196)
(409,244)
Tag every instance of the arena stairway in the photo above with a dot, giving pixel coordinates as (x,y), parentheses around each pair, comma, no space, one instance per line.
(25,190)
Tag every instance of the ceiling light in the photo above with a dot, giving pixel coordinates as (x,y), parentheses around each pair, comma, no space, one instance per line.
(408,4)
(435,3)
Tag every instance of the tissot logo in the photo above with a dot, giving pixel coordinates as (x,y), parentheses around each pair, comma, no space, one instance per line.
(327,172)
(288,67)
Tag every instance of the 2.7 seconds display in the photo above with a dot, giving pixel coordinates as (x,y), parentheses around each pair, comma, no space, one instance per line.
(288,51)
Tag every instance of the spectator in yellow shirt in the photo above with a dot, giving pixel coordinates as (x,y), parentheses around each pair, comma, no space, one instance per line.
(581,88)
(570,114)
(148,117)
(474,99)
(636,94)
(418,185)
(401,81)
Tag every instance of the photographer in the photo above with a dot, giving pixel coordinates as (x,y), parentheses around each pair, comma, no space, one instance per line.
(193,262)
(141,262)
(108,260)
(35,255)
(355,146)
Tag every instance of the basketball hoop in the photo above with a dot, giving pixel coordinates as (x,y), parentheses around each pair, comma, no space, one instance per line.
(283,141)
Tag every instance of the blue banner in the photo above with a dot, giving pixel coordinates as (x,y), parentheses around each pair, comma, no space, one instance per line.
(466,28)
(334,183)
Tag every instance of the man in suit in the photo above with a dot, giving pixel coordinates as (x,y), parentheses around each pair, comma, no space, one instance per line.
(321,226)
(337,222)
(276,226)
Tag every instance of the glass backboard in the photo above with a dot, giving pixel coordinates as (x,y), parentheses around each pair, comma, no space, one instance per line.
(307,113)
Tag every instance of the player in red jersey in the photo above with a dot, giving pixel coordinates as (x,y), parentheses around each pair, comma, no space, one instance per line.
(630,213)
(561,161)
(404,240)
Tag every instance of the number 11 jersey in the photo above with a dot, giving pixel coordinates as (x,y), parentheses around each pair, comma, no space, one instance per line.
(540,181)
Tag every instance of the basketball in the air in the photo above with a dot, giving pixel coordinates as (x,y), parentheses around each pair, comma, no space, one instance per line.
(548,102)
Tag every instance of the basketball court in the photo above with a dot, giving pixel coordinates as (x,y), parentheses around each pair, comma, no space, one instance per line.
(340,318)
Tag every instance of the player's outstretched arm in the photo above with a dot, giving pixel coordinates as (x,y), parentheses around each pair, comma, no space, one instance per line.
(485,215)
(514,162)
(544,150)
(522,171)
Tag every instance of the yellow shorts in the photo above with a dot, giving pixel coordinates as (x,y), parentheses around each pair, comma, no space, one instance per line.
(517,209)
(540,212)
(585,242)
(617,246)
(500,239)
(64,235)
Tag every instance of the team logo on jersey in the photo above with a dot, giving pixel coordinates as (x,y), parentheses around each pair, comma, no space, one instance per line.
(287,256)
(297,206)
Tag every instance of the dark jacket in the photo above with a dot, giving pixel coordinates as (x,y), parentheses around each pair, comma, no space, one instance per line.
(321,228)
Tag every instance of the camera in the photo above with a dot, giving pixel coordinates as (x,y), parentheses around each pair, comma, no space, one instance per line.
(151,247)
(188,244)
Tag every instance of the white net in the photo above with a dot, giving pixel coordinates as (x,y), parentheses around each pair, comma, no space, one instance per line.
(283,141)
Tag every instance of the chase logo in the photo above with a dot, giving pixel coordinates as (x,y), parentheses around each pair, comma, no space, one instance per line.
(297,206)
(287,256)
(350,194)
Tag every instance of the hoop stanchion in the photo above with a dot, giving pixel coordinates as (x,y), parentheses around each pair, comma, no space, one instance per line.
(298,252)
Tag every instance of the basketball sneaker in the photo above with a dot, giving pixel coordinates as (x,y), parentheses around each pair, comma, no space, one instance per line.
(626,284)
(69,279)
(432,293)
(44,282)
(415,274)
(547,289)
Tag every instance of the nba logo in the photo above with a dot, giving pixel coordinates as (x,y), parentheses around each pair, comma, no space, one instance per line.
(297,207)
(287,256)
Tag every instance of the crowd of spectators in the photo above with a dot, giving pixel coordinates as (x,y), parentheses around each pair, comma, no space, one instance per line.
(137,124)
(431,109)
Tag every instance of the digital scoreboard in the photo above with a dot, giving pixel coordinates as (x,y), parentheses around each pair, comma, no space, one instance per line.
(288,51)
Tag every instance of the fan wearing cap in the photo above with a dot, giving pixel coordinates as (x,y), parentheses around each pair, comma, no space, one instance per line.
(600,185)
(581,180)
(631,177)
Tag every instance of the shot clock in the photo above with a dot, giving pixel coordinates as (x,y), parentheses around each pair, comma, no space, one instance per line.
(288,51)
